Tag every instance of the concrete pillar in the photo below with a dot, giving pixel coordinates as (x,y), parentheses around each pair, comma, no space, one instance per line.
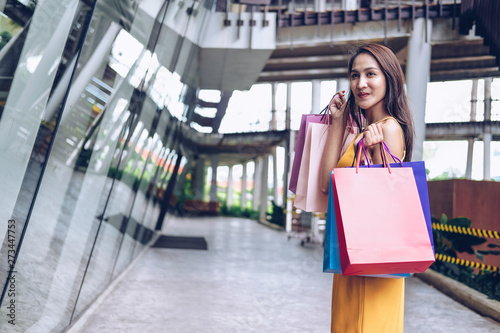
(256,184)
(417,76)
(214,161)
(473,100)
(470,146)
(487,136)
(274,88)
(199,179)
(319,5)
(470,154)
(289,147)
(243,199)
(487,156)
(349,4)
(264,175)
(487,99)
(342,84)
(229,200)
(316,96)
(276,198)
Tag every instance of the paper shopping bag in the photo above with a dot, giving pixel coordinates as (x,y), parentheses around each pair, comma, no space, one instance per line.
(309,196)
(349,135)
(301,137)
(380,221)
(418,168)
(420,175)
(331,255)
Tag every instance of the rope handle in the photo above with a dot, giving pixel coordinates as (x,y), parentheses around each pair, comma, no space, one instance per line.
(384,150)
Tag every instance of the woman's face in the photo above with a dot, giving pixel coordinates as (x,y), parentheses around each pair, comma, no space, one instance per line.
(368,83)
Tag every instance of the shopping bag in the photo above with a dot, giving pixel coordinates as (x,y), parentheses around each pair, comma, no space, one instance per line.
(420,175)
(301,137)
(349,135)
(309,196)
(331,255)
(380,221)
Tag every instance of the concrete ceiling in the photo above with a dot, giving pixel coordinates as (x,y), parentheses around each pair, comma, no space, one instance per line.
(451,60)
(316,45)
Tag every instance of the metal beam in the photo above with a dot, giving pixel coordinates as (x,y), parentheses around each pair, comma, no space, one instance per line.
(462,130)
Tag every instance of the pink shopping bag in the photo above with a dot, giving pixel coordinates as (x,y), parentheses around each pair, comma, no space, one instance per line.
(309,196)
(301,137)
(380,221)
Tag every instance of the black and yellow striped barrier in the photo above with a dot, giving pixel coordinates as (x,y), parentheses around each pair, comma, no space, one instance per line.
(467,263)
(466,231)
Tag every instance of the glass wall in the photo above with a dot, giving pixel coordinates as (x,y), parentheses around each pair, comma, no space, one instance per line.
(90,123)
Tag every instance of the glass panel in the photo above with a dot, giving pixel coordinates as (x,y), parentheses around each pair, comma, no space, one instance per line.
(495,160)
(209,95)
(30,117)
(445,159)
(449,101)
(253,105)
(86,132)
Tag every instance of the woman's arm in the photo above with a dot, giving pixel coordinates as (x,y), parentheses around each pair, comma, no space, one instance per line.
(334,140)
(332,152)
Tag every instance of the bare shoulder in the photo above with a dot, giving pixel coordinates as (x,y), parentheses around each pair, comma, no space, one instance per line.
(391,125)
(392,129)
(394,137)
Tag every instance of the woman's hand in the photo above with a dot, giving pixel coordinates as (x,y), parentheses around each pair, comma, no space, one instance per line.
(388,131)
(373,134)
(337,105)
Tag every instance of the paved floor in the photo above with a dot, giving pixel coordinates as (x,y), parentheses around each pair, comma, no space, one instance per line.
(251,279)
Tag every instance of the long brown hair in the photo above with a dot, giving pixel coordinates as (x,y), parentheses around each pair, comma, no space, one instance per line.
(396,101)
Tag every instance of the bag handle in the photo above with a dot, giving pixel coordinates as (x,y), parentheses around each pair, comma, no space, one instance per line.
(394,158)
(325,111)
(384,149)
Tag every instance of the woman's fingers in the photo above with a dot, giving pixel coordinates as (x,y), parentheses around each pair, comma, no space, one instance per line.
(373,134)
(337,103)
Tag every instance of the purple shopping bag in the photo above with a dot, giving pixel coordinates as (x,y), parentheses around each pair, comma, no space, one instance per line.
(306,119)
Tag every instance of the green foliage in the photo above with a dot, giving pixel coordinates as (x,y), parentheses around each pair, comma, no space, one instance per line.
(251,214)
(449,243)
(187,191)
(236,211)
(5,37)
(277,215)
(452,174)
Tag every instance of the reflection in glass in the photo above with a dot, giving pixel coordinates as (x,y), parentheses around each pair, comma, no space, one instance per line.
(89,139)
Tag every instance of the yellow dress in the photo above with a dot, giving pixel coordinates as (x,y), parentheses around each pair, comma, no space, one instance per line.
(366,304)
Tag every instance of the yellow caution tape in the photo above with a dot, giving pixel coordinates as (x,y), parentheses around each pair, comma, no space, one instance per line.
(467,263)
(466,231)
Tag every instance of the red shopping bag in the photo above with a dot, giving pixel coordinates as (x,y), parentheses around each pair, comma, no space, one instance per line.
(380,221)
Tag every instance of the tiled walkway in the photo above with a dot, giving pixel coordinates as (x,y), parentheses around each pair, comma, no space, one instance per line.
(251,279)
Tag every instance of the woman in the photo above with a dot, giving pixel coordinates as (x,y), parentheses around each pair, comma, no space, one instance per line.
(378,104)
